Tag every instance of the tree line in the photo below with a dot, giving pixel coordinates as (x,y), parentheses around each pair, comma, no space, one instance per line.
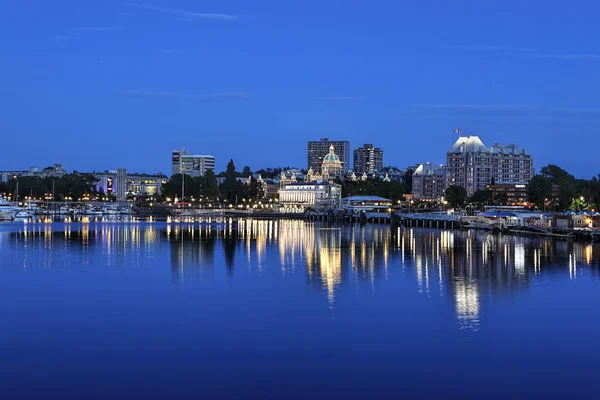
(206,187)
(75,185)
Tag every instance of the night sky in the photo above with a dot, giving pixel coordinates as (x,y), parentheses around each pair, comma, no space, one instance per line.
(98,85)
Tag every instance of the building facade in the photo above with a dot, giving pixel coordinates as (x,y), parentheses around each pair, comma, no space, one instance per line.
(516,193)
(318,150)
(298,197)
(472,165)
(429,182)
(56,171)
(119,183)
(368,159)
(193,165)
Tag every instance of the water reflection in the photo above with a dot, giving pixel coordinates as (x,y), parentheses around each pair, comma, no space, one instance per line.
(463,267)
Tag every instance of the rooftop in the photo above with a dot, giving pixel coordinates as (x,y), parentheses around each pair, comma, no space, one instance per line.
(366,198)
(429,169)
(467,145)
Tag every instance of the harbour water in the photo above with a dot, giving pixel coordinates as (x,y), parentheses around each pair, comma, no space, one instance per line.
(293,309)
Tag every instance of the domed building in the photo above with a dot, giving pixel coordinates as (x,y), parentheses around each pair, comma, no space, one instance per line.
(332,166)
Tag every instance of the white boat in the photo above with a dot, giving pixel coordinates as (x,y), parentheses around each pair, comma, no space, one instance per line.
(24,215)
(7,210)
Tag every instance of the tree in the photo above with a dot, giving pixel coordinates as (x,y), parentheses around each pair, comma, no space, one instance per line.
(231,189)
(482,197)
(210,187)
(254,190)
(456,196)
(193,186)
(579,204)
(500,199)
(540,190)
(556,174)
(392,190)
(246,172)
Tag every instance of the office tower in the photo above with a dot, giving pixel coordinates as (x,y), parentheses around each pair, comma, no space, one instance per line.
(192,165)
(317,150)
(368,159)
(472,165)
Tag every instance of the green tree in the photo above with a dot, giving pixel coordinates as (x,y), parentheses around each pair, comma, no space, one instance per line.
(254,190)
(500,199)
(540,191)
(232,189)
(456,196)
(246,172)
(172,189)
(579,204)
(482,197)
(210,187)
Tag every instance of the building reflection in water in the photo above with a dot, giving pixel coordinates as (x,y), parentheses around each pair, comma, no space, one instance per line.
(463,266)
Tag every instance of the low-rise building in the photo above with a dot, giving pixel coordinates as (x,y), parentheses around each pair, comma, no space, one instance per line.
(298,197)
(120,183)
(357,204)
(270,188)
(516,193)
(56,171)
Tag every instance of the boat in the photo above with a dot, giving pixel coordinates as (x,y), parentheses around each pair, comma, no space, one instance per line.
(7,210)
(24,215)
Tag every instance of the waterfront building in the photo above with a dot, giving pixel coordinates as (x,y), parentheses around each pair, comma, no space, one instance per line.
(516,193)
(318,150)
(368,159)
(298,197)
(429,182)
(472,165)
(357,204)
(193,165)
(119,183)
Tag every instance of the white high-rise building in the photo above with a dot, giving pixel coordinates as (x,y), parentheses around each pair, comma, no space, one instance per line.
(192,165)
(472,165)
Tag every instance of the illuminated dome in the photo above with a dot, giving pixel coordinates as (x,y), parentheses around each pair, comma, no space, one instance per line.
(332,164)
(331,157)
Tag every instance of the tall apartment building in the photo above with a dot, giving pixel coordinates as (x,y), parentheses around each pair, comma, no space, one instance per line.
(193,165)
(429,182)
(472,165)
(368,159)
(317,150)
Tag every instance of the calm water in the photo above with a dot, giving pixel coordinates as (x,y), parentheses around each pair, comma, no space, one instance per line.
(288,309)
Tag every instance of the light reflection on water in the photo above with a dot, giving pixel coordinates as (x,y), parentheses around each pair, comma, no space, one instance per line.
(455,264)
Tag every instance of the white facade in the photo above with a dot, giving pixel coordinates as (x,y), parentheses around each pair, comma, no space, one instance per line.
(300,196)
(472,165)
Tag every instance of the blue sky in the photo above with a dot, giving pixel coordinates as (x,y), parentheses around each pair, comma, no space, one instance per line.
(105,84)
